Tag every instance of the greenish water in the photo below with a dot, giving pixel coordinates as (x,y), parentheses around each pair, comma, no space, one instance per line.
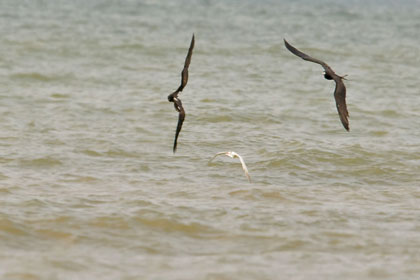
(90,188)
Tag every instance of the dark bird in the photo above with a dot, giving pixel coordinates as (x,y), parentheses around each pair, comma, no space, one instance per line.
(340,89)
(173,97)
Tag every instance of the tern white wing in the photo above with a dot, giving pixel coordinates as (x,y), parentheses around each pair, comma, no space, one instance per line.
(243,165)
(232,154)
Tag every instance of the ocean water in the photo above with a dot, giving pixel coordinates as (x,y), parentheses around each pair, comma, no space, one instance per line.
(90,188)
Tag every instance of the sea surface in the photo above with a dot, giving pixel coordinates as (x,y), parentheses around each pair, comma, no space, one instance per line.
(90,187)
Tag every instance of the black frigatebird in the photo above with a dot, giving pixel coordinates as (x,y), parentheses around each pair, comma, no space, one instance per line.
(340,88)
(173,97)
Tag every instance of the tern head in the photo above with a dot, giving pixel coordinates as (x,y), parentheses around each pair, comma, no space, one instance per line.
(231,154)
(327,76)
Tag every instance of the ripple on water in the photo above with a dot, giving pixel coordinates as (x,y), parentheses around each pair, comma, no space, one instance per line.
(10,227)
(39,77)
(41,162)
(22,276)
(193,229)
(59,95)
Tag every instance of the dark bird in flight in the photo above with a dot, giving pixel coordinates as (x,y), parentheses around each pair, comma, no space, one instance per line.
(340,89)
(173,97)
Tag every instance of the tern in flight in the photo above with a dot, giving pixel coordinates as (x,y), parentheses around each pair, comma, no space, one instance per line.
(173,97)
(340,89)
(234,155)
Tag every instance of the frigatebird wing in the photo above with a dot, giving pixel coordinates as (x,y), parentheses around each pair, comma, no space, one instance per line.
(184,73)
(181,117)
(304,56)
(340,102)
